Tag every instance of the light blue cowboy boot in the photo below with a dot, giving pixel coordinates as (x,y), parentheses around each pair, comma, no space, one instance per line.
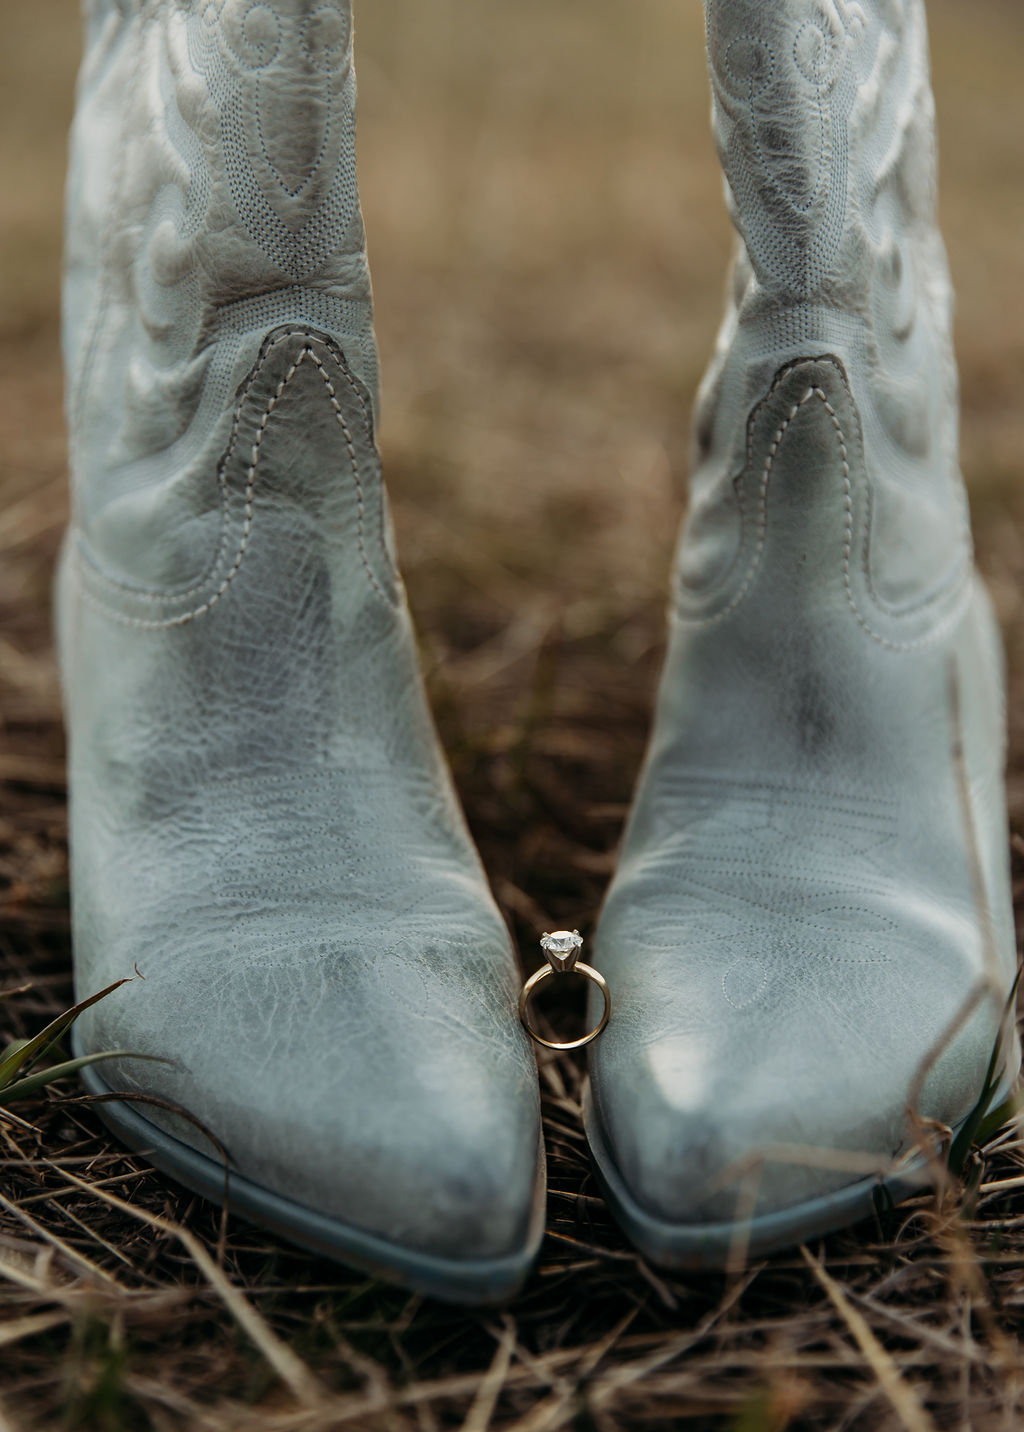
(810,929)
(262,819)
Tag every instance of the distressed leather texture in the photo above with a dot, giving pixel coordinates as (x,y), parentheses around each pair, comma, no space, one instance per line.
(261,817)
(793,926)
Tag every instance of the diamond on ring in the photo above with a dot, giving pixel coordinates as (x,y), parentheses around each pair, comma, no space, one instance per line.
(562,948)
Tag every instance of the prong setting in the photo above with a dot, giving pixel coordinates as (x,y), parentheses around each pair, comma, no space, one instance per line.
(562,948)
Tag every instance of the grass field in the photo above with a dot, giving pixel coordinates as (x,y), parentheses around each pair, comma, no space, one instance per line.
(549,245)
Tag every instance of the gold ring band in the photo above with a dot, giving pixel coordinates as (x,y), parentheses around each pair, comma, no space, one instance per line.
(541,975)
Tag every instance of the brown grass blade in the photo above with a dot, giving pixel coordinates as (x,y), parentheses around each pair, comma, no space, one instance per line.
(904,1400)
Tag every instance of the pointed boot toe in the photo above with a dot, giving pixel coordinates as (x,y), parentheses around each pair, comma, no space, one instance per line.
(756,1094)
(369,1107)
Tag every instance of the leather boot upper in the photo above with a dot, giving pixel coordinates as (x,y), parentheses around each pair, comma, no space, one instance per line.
(795,939)
(262,820)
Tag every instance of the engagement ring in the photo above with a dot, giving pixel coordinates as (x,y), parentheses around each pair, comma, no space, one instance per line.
(562,948)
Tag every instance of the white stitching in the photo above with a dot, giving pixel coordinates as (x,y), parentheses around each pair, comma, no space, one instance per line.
(762,521)
(940,628)
(176,595)
(762,527)
(243,545)
(355,465)
(765,791)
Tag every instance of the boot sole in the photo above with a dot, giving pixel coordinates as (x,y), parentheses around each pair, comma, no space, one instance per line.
(719,1246)
(464,1280)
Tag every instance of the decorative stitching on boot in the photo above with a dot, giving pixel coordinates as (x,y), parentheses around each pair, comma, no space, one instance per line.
(762,531)
(352,456)
(179,594)
(848,537)
(248,494)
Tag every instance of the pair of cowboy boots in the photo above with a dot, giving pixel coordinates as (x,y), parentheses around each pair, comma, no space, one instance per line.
(810,928)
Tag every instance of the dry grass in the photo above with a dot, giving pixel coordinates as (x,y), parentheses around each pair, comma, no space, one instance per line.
(548,243)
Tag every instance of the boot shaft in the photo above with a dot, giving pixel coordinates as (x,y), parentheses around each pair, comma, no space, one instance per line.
(824,122)
(212,198)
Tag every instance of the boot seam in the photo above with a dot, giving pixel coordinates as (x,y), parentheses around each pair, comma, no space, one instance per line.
(248,495)
(815,391)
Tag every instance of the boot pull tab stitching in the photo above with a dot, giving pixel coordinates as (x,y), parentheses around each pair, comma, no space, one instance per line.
(249,492)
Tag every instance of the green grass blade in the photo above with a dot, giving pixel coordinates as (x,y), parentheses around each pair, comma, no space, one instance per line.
(30,1049)
(983,1120)
(31,1083)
